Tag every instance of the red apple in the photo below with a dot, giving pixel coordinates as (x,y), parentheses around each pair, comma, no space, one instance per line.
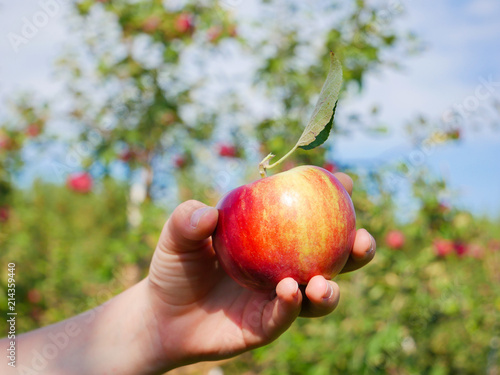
(4,214)
(34,296)
(227,151)
(184,23)
(299,223)
(330,167)
(5,142)
(80,182)
(33,130)
(395,239)
(443,247)
(126,155)
(460,247)
(179,161)
(476,251)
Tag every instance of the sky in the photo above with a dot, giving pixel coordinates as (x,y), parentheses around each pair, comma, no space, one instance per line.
(462,52)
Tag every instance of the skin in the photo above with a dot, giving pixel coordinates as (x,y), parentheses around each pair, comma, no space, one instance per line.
(186,310)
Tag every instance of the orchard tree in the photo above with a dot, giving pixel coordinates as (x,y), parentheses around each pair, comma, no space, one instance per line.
(202,90)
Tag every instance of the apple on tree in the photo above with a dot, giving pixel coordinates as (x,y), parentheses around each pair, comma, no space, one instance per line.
(299,223)
(184,23)
(80,182)
(395,239)
(4,214)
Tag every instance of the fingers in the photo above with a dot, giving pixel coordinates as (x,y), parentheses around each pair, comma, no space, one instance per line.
(188,227)
(362,252)
(345,180)
(322,297)
(281,312)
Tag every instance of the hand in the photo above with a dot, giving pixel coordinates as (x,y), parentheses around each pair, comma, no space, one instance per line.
(200,313)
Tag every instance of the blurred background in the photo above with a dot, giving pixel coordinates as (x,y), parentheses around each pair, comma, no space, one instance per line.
(113,112)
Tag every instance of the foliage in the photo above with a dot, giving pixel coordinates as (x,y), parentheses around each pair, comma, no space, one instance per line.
(142,94)
(408,312)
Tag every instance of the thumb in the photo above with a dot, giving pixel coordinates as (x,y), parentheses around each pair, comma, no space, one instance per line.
(188,228)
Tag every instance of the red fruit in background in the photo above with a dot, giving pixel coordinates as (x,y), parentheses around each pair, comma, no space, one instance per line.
(5,142)
(179,161)
(4,213)
(80,182)
(184,23)
(395,239)
(34,296)
(443,247)
(460,247)
(214,33)
(330,167)
(227,151)
(299,223)
(33,130)
(126,156)
(476,251)
(151,24)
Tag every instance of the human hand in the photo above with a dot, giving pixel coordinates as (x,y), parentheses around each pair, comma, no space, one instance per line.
(200,313)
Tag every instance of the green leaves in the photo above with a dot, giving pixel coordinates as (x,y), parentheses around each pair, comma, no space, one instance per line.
(322,136)
(320,124)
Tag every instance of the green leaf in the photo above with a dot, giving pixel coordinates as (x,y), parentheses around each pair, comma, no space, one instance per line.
(323,135)
(318,128)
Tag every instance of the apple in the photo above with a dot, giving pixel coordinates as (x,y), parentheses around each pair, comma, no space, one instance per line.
(330,167)
(476,251)
(4,214)
(33,130)
(395,239)
(460,248)
(126,155)
(228,151)
(5,142)
(299,223)
(179,161)
(443,247)
(184,23)
(34,296)
(80,182)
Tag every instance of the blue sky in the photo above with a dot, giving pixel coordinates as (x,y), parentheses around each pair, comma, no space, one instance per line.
(463,48)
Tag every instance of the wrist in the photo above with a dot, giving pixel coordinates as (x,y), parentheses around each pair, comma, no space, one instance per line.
(142,343)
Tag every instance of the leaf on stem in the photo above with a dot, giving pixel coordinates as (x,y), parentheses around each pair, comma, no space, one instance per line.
(318,128)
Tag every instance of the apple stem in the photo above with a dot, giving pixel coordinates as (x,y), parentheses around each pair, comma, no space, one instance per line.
(264,164)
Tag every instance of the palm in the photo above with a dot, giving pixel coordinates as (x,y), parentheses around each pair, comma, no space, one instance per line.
(227,319)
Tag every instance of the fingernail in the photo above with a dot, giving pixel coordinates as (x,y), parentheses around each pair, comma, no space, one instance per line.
(197,215)
(295,286)
(328,291)
(372,246)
